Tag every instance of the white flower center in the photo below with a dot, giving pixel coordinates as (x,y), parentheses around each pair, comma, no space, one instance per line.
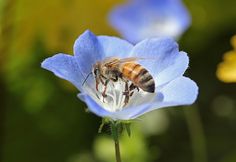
(115,98)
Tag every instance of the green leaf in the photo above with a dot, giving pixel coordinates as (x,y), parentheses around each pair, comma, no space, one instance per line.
(102,125)
(127,128)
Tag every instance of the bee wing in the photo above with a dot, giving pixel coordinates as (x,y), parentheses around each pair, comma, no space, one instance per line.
(129,59)
(112,61)
(115,61)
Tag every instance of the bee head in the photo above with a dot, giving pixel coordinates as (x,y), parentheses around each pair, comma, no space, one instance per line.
(96,69)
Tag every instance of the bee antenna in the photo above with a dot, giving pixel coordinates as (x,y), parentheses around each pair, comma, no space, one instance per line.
(86,78)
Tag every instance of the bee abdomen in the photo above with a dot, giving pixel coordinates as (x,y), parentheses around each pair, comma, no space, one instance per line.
(139,76)
(145,81)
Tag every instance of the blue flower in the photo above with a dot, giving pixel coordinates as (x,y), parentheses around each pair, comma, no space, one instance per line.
(161,57)
(141,19)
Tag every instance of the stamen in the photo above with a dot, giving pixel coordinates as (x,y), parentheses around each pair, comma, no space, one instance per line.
(115,99)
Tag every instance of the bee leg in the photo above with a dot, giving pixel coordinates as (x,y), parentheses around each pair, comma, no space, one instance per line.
(101,79)
(131,94)
(126,93)
(132,87)
(97,82)
(105,89)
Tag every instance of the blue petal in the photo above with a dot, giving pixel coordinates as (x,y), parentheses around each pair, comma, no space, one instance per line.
(93,106)
(113,46)
(177,69)
(87,50)
(158,54)
(129,113)
(65,67)
(181,91)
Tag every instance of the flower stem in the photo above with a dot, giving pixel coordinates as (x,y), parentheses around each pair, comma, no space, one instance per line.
(117,148)
(115,129)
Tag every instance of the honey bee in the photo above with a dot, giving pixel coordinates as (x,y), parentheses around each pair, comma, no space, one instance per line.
(127,69)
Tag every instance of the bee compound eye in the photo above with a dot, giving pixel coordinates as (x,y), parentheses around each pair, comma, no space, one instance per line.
(95,71)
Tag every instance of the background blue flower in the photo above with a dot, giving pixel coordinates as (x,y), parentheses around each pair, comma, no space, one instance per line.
(140,19)
(162,59)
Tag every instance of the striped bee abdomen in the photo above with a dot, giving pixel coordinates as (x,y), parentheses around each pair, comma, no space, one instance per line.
(138,75)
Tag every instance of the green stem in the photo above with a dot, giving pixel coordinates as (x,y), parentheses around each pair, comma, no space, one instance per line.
(115,133)
(196,134)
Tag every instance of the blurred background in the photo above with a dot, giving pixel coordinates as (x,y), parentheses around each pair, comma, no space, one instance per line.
(41,119)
